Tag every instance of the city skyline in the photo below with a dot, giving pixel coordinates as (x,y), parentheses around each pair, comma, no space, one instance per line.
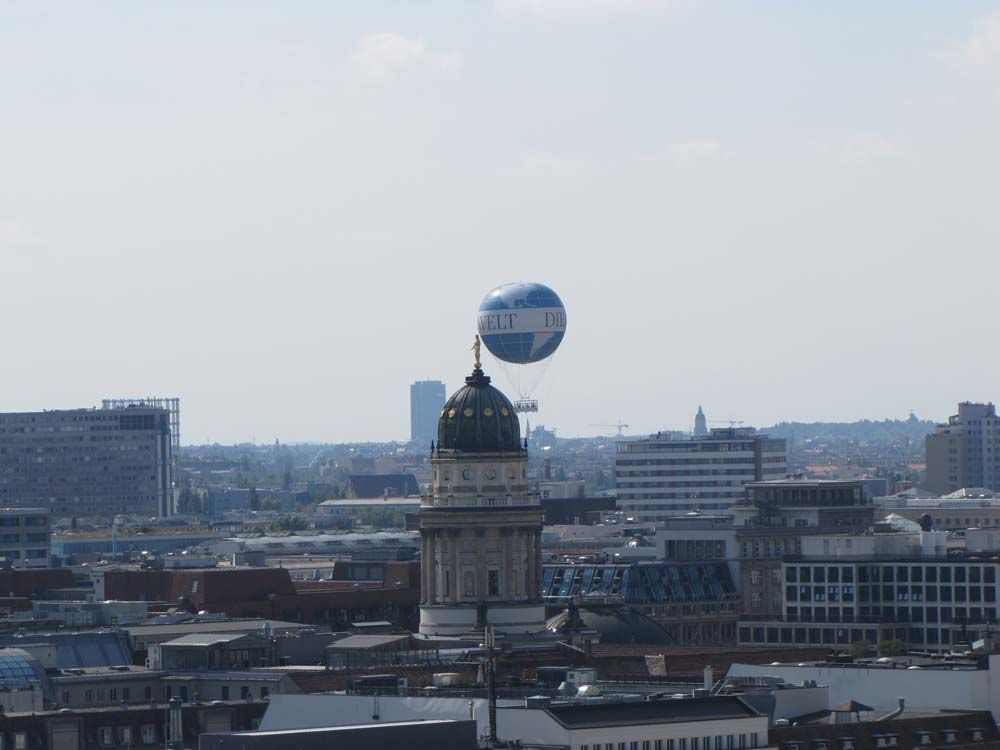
(299,216)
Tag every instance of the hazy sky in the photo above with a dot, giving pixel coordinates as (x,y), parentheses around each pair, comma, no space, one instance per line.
(284,213)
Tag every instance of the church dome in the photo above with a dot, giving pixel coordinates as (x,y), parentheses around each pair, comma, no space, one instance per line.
(478,418)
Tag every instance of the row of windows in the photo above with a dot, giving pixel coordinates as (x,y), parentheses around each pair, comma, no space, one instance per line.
(794,613)
(792,635)
(742,472)
(892,573)
(31,554)
(897,593)
(770,548)
(104,696)
(663,495)
(718,742)
(16,538)
(702,483)
(686,461)
(14,521)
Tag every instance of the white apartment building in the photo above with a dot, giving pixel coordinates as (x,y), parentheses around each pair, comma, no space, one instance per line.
(692,723)
(663,475)
(703,723)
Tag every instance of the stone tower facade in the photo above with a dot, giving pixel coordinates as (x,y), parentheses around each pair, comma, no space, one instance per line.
(480,526)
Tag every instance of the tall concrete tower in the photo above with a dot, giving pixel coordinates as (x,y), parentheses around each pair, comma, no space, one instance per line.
(426,398)
(700,424)
(480,526)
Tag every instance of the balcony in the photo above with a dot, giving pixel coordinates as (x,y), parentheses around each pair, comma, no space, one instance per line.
(487,502)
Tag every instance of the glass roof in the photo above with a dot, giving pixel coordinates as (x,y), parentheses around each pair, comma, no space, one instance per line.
(16,672)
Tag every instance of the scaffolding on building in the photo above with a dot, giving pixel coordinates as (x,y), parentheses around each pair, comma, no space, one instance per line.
(172,405)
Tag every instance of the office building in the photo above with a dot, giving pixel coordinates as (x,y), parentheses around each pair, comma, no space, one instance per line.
(426,400)
(88,462)
(24,537)
(172,405)
(777,516)
(901,586)
(664,475)
(966,451)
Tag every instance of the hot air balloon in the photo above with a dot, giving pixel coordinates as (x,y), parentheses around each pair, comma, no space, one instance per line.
(522,325)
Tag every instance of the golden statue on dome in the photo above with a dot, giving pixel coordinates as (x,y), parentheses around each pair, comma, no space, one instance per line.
(475,350)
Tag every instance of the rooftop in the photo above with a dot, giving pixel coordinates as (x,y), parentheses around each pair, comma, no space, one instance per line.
(218,626)
(794,482)
(366,641)
(344,728)
(370,501)
(709,708)
(205,639)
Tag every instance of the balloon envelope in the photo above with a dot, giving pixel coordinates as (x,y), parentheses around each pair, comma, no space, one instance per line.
(522,322)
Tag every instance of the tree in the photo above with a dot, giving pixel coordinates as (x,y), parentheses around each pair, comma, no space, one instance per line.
(286,480)
(893,647)
(253,500)
(862,649)
(288,523)
(184,501)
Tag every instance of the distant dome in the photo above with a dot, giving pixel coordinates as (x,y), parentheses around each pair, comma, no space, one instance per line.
(478,418)
(19,669)
(617,625)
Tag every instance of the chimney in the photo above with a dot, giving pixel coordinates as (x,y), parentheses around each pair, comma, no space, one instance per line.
(707,677)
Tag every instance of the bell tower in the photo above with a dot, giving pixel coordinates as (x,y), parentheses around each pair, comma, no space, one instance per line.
(480,526)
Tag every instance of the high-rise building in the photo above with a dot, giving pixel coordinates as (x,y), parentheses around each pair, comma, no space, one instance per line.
(664,475)
(480,524)
(173,405)
(88,462)
(966,451)
(700,423)
(426,399)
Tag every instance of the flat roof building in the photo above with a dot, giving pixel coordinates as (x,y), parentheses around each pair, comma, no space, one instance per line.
(88,462)
(435,734)
(716,721)
(961,453)
(663,475)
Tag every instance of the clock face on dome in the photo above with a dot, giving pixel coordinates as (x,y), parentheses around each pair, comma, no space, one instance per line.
(491,474)
(467,475)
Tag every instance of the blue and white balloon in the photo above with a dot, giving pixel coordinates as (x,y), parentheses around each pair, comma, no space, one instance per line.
(522,322)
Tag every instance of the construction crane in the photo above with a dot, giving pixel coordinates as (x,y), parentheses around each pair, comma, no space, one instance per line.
(730,422)
(620,426)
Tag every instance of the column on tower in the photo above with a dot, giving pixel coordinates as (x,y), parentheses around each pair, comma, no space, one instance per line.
(456,573)
(507,569)
(424,566)
(530,591)
(536,535)
(481,551)
(432,565)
